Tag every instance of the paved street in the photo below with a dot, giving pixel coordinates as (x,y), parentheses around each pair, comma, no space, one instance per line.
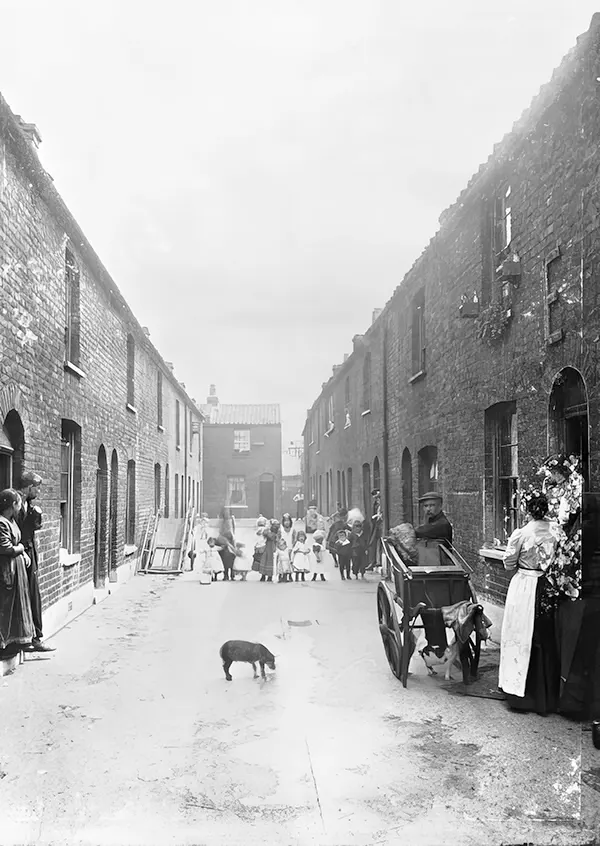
(130,734)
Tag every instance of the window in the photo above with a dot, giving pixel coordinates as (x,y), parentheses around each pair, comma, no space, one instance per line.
(167,491)
(177,426)
(241,440)
(198,495)
(407,488)
(418,334)
(501,469)
(327,495)
(502,222)
(159,398)
(367,382)
(176,495)
(191,432)
(72,292)
(428,469)
(496,237)
(366,472)
(330,423)
(236,491)
(70,486)
(157,480)
(130,505)
(340,491)
(130,371)
(553,305)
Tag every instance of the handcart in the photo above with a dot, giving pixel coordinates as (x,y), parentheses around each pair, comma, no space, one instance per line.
(441,578)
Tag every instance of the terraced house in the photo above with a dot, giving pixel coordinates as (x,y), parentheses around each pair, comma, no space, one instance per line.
(485,359)
(86,400)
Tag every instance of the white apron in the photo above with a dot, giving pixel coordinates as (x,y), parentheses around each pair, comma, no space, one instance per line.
(517,631)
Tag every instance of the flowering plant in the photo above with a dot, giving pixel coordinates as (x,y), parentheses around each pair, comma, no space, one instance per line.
(493,321)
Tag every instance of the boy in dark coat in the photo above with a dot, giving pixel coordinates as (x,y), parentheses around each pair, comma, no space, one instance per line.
(359,541)
(341,547)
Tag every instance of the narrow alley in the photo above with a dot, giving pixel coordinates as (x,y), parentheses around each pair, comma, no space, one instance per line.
(130,734)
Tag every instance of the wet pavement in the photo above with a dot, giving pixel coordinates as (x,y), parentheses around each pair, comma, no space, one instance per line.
(130,734)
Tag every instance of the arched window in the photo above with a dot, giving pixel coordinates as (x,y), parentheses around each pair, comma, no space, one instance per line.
(568,419)
(367,382)
(12,449)
(407,488)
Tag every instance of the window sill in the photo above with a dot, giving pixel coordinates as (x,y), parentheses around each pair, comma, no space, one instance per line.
(364,413)
(131,408)
(496,552)
(130,549)
(237,506)
(348,425)
(329,433)
(417,377)
(68,559)
(72,368)
(555,337)
(160,428)
(312,443)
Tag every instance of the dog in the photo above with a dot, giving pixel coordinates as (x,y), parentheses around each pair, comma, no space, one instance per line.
(463,618)
(248,653)
(439,656)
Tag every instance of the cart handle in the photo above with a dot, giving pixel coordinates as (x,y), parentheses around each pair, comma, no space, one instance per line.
(397,563)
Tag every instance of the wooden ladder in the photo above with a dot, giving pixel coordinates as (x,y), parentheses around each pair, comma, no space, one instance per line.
(149,542)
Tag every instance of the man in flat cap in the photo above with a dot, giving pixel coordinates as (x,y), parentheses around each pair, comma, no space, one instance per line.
(29,520)
(437,526)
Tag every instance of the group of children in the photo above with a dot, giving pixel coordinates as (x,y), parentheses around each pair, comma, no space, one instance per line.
(295,556)
(348,542)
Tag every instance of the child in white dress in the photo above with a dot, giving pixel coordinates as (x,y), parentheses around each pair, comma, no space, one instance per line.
(302,556)
(319,554)
(283,564)
(213,563)
(242,563)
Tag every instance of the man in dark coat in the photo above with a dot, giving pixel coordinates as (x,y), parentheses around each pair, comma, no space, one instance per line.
(437,526)
(29,521)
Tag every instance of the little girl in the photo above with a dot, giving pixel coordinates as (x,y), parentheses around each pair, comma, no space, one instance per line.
(283,564)
(319,554)
(213,563)
(301,556)
(259,546)
(242,563)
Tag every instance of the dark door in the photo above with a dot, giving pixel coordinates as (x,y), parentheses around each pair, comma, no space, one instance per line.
(266,497)
(113,511)
(100,530)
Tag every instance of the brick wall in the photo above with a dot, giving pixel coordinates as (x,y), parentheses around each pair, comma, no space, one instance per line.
(35,230)
(551,163)
(220,461)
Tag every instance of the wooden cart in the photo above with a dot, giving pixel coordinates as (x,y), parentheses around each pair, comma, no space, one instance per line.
(441,578)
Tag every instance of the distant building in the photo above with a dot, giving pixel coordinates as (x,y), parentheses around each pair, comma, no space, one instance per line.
(292,483)
(242,458)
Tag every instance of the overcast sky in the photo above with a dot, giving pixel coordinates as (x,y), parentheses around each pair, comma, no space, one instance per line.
(258,176)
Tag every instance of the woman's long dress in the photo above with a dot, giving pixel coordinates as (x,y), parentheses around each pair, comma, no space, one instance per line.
(267,560)
(529,670)
(16,621)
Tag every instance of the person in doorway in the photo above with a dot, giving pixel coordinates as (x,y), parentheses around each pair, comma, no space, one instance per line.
(376,530)
(29,520)
(437,525)
(16,619)
(529,671)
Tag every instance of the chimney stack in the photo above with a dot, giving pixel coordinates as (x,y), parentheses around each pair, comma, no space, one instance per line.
(376,313)
(212,398)
(30,130)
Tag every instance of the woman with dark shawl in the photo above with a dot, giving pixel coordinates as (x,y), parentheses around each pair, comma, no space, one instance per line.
(16,621)
(270,534)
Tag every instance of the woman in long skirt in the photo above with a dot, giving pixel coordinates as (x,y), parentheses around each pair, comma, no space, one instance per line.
(267,561)
(16,621)
(529,673)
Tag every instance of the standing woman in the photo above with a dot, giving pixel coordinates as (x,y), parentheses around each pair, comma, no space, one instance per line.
(16,620)
(529,672)
(267,560)
(227,524)
(287,531)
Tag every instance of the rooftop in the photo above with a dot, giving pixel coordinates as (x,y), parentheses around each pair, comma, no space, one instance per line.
(242,415)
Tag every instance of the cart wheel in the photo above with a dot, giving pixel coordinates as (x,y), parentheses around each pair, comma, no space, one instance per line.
(390,632)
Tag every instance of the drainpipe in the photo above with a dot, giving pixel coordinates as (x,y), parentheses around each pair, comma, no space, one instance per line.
(186,448)
(385,451)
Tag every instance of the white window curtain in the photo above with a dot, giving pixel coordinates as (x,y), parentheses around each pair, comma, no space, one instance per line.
(236,490)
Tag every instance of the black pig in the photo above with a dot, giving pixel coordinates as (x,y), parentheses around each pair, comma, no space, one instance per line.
(249,653)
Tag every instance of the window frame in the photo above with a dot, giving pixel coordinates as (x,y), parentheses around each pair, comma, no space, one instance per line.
(232,488)
(367,395)
(237,439)
(418,335)
(70,505)
(73,310)
(502,489)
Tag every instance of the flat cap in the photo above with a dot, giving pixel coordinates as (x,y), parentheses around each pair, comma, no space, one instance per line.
(431,495)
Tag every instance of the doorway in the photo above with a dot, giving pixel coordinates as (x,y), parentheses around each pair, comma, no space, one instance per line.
(266,495)
(112,518)
(101,522)
(568,426)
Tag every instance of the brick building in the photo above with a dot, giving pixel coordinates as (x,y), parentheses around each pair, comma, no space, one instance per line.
(85,399)
(485,358)
(242,458)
